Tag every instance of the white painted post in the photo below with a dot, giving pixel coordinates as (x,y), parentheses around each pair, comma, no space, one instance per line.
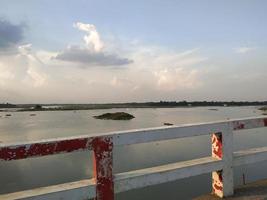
(222,148)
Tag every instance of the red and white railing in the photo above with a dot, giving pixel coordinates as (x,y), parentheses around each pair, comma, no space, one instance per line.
(105,183)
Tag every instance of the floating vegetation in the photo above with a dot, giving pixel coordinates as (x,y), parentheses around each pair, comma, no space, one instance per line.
(263,108)
(115,116)
(167,124)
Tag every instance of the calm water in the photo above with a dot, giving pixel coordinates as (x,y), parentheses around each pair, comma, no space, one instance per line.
(31,173)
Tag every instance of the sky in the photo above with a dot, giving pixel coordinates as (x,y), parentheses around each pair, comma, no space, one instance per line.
(95,51)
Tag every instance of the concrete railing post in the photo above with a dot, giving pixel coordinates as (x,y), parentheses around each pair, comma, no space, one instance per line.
(103,167)
(222,148)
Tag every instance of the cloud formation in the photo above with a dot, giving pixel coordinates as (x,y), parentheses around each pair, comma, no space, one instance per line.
(35,75)
(23,69)
(88,58)
(157,73)
(10,34)
(168,71)
(243,50)
(92,40)
(25,49)
(92,52)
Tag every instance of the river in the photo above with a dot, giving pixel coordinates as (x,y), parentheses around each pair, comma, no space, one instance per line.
(37,172)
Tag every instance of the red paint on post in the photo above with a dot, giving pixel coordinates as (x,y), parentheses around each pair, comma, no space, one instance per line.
(103,168)
(43,149)
(216,187)
(217,152)
(217,145)
(217,183)
(238,126)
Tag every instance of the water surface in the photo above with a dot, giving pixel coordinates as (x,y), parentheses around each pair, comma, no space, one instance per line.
(36,172)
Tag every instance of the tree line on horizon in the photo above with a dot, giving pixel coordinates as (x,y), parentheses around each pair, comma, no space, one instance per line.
(150,104)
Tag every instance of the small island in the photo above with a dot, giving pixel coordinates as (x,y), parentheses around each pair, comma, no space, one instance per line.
(115,116)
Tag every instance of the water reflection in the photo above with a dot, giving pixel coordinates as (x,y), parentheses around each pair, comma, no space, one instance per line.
(31,173)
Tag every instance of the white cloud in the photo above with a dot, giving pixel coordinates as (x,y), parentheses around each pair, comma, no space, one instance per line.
(120,82)
(34,71)
(114,82)
(5,76)
(25,49)
(243,50)
(156,74)
(92,40)
(92,53)
(22,71)
(176,71)
(179,78)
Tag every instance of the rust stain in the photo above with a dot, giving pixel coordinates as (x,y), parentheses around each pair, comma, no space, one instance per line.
(103,168)
(265,122)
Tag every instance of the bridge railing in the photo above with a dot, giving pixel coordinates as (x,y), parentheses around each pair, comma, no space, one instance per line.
(105,183)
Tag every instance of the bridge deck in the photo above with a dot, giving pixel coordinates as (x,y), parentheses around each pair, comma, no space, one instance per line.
(252,191)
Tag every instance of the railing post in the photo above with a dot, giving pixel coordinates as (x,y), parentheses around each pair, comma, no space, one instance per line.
(222,148)
(103,167)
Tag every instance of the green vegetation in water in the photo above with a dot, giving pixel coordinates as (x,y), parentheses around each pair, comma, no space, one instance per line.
(33,108)
(263,108)
(167,124)
(213,109)
(7,105)
(115,116)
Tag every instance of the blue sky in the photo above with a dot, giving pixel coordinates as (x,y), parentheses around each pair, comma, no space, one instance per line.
(221,38)
(176,24)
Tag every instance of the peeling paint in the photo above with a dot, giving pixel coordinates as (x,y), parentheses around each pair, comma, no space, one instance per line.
(103,168)
(43,149)
(217,145)
(217,180)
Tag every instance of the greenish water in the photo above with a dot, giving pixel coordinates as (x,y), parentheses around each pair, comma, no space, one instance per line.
(31,173)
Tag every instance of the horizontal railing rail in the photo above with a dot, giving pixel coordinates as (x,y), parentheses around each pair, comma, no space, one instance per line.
(104,183)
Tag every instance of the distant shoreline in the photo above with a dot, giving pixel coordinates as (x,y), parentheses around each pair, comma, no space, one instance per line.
(161,104)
